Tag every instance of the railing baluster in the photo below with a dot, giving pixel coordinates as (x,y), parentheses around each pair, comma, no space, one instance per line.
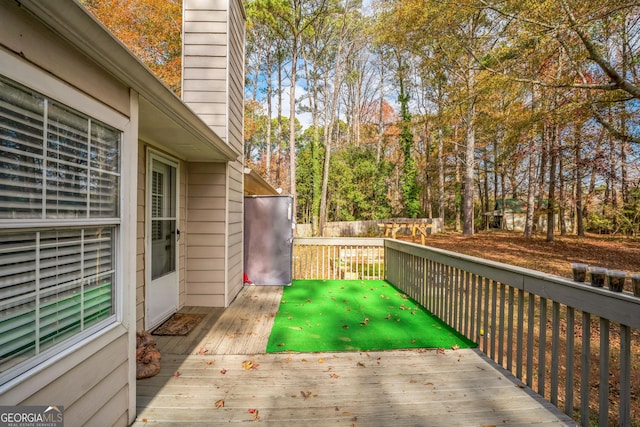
(510,330)
(603,389)
(569,362)
(494,317)
(625,376)
(530,333)
(520,334)
(501,324)
(542,347)
(485,315)
(555,351)
(585,363)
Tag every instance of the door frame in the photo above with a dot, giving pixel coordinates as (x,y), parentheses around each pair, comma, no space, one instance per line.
(154,155)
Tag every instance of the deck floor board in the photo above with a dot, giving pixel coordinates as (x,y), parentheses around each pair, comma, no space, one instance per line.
(404,388)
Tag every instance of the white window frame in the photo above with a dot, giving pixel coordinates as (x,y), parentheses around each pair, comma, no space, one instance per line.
(34,78)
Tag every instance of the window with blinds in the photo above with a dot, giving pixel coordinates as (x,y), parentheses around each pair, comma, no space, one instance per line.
(57,279)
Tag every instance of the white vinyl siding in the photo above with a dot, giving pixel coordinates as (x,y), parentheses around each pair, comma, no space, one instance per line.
(59,221)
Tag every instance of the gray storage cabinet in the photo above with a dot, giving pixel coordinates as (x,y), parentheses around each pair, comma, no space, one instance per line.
(268,239)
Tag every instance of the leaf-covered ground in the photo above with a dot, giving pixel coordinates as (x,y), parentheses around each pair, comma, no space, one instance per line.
(617,253)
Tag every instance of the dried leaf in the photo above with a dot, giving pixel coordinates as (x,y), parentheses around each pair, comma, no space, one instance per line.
(202,351)
(220,404)
(361,364)
(334,376)
(250,364)
(320,360)
(176,374)
(455,347)
(254,412)
(305,395)
(440,351)
(223,371)
(364,322)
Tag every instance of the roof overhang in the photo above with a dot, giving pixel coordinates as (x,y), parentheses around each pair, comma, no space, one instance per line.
(255,185)
(164,120)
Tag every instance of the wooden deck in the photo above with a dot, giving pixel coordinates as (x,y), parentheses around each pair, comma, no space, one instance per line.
(220,374)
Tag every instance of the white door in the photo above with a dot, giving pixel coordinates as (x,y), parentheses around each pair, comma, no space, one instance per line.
(162,290)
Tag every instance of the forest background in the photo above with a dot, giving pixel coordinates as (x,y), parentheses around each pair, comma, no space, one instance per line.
(432,108)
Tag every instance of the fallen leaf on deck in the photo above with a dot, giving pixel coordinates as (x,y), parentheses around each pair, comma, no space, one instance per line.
(334,376)
(361,364)
(211,362)
(254,412)
(220,404)
(202,351)
(440,351)
(320,360)
(176,374)
(223,371)
(305,395)
(250,364)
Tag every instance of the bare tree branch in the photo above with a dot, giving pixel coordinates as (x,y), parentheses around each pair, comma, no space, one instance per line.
(615,77)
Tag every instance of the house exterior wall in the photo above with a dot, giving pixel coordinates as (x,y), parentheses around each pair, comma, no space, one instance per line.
(213,86)
(206,263)
(91,378)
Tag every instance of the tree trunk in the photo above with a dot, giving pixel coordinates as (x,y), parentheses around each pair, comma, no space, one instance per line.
(561,192)
(528,226)
(440,174)
(292,126)
(578,179)
(458,189)
(551,201)
(470,161)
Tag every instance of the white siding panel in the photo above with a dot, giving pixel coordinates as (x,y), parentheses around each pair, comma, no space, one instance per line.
(208,108)
(218,215)
(205,15)
(205,27)
(205,95)
(205,240)
(207,300)
(206,62)
(103,372)
(203,85)
(217,73)
(205,50)
(206,4)
(205,38)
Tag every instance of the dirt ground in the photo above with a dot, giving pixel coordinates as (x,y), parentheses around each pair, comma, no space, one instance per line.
(617,253)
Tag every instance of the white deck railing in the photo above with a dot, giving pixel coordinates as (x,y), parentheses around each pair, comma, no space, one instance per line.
(570,342)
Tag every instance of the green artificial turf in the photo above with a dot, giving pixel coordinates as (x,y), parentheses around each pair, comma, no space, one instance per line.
(355,315)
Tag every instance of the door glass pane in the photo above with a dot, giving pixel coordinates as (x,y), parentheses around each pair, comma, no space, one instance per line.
(163,220)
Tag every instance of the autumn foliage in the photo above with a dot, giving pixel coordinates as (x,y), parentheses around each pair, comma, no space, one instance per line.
(151,29)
